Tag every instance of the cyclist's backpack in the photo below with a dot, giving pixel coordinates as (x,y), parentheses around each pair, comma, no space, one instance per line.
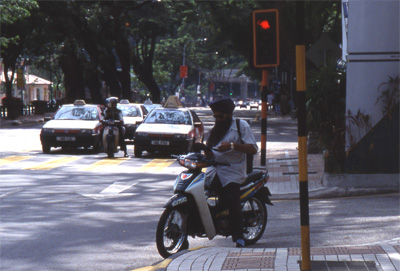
(249,157)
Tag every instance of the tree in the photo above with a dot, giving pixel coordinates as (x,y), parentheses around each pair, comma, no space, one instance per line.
(14,30)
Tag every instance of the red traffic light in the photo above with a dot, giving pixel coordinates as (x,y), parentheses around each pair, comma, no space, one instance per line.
(264,24)
(265,38)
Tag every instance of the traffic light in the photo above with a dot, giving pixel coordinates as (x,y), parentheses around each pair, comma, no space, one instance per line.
(265,38)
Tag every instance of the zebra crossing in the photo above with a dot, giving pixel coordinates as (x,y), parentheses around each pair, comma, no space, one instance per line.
(41,163)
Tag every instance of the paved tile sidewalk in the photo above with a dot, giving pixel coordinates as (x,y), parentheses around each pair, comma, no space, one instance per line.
(383,257)
(283,168)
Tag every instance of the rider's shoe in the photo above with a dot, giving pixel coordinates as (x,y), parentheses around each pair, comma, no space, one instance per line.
(126,154)
(240,243)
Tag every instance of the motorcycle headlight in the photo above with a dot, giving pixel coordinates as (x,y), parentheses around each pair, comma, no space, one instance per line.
(190,164)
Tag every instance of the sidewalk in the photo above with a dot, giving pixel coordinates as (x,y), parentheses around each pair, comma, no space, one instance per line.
(282,164)
(383,257)
(26,119)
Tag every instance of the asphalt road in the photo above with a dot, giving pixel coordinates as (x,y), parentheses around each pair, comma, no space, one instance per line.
(77,216)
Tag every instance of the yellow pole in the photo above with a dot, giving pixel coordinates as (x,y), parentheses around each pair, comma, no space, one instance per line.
(302,139)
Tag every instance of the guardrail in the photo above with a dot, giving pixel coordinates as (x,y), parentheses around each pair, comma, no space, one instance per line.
(28,110)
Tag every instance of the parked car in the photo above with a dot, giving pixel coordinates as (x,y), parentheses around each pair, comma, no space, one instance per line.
(133,116)
(172,130)
(73,125)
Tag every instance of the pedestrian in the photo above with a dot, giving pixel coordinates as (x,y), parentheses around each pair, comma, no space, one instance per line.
(270,100)
(228,147)
(277,99)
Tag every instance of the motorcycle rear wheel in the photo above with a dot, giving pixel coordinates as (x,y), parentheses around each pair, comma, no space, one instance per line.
(255,220)
(171,236)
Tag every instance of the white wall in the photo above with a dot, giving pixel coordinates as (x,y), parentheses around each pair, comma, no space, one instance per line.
(373,48)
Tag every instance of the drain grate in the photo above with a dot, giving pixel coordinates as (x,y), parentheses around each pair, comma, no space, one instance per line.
(249,260)
(343,266)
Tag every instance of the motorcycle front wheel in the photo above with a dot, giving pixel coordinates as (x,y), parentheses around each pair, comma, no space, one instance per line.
(171,236)
(110,148)
(255,220)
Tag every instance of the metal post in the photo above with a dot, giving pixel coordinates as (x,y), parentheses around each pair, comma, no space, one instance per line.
(264,109)
(302,139)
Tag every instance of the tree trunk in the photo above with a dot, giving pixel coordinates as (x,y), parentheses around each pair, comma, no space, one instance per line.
(73,75)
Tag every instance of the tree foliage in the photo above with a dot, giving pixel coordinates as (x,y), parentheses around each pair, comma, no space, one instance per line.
(99,45)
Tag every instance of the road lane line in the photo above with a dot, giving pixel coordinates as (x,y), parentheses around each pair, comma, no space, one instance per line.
(12,159)
(105,163)
(54,163)
(156,165)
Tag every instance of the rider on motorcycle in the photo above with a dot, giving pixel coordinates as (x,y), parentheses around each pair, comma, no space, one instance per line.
(230,148)
(112,112)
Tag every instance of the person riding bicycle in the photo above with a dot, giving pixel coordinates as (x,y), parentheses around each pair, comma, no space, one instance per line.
(112,112)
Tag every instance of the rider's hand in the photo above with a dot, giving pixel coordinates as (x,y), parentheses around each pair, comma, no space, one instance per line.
(223,147)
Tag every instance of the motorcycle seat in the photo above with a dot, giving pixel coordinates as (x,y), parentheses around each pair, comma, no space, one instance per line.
(252,177)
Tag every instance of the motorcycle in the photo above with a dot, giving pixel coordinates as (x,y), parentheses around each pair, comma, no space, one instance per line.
(195,209)
(111,137)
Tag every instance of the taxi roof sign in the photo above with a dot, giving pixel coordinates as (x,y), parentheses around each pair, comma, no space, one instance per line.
(172,102)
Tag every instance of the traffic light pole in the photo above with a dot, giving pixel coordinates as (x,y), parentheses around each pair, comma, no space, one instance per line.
(302,138)
(264,110)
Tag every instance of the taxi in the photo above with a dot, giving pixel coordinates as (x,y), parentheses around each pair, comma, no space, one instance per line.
(73,125)
(170,129)
(133,114)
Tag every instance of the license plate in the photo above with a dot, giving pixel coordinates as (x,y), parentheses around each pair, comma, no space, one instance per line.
(160,142)
(65,138)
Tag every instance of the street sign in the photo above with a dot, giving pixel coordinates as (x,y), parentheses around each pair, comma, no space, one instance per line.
(20,78)
(184,71)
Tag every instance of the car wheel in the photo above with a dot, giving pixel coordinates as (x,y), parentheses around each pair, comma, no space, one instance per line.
(97,147)
(138,152)
(46,148)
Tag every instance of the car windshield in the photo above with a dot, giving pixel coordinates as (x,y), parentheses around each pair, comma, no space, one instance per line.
(129,110)
(169,117)
(77,113)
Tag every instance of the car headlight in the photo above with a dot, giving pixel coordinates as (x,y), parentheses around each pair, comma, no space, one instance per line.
(47,130)
(142,134)
(180,136)
(87,131)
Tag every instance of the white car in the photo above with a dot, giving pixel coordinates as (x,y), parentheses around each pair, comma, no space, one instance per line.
(73,125)
(172,130)
(133,117)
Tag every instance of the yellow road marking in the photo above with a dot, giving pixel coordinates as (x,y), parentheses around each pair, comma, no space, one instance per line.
(53,163)
(156,165)
(102,164)
(12,159)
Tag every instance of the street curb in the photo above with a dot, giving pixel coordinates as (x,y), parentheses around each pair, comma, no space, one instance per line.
(163,265)
(337,192)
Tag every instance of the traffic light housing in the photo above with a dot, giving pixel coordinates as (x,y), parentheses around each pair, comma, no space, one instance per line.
(265,38)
